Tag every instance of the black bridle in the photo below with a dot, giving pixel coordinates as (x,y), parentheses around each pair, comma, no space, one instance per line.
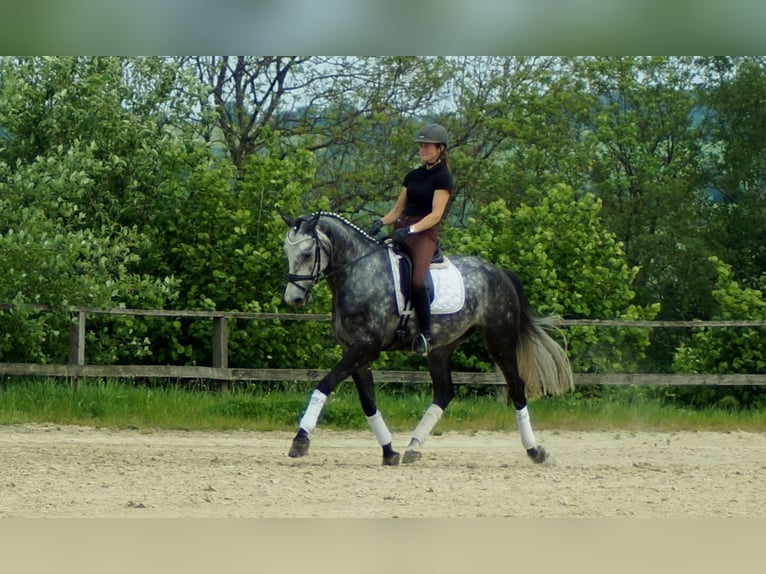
(316,269)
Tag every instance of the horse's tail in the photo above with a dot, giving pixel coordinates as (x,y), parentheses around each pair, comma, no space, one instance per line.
(543,363)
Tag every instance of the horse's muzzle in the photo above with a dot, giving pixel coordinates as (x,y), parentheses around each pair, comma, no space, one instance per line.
(296,297)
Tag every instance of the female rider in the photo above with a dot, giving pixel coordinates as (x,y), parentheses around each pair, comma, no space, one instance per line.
(416,216)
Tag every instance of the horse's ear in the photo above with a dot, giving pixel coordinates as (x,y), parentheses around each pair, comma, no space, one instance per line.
(312,223)
(286,218)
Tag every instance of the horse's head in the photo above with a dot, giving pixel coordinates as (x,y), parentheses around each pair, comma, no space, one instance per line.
(307,252)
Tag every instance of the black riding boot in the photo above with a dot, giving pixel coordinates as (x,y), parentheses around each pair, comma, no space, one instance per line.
(422,343)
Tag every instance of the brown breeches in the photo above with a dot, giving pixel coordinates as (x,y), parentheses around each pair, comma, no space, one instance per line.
(420,247)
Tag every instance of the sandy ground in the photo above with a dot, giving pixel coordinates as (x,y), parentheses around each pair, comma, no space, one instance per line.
(53,471)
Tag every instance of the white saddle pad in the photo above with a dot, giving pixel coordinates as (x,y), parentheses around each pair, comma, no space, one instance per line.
(449,290)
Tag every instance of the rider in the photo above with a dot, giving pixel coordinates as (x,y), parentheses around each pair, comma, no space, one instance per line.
(416,215)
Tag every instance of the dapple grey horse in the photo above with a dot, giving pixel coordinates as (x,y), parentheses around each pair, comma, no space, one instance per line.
(365,321)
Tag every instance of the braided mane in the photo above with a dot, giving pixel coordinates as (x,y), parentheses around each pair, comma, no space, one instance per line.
(338,217)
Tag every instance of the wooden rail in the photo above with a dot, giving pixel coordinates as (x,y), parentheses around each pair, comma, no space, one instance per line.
(221,372)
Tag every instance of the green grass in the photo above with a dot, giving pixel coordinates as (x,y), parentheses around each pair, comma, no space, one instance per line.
(114,404)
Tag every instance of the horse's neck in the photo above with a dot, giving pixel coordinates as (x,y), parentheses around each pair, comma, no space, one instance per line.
(351,255)
(347,245)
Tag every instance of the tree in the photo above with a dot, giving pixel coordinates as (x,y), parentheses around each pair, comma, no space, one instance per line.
(245,95)
(69,237)
(647,166)
(222,241)
(517,125)
(360,124)
(736,98)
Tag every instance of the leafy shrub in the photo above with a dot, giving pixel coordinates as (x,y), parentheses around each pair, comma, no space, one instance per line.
(726,349)
(570,266)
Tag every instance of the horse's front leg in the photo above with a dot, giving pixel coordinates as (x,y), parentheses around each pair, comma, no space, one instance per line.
(443,392)
(350,363)
(366,389)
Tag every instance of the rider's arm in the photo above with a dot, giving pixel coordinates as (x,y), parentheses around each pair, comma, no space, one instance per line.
(397,209)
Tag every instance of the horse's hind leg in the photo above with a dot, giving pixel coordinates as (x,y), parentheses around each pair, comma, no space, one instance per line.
(506,361)
(444,391)
(535,451)
(366,389)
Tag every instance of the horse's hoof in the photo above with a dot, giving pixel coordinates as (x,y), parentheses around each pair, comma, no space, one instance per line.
(538,454)
(411,456)
(391,459)
(300,447)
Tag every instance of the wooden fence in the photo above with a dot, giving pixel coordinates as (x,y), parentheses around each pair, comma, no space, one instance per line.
(221,372)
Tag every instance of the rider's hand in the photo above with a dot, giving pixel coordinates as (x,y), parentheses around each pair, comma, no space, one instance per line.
(375,227)
(400,235)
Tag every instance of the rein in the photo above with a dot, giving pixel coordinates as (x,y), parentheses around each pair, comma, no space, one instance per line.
(357,260)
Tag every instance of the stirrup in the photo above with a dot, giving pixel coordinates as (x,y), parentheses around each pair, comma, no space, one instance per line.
(421,345)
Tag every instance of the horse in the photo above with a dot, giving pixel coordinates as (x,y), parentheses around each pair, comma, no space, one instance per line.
(366,320)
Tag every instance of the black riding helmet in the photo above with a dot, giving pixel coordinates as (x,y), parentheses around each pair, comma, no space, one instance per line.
(433,133)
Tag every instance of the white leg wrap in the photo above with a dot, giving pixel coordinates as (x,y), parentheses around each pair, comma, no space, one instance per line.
(426,425)
(525,428)
(310,417)
(379,428)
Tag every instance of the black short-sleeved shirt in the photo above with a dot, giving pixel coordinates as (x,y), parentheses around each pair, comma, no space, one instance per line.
(421,183)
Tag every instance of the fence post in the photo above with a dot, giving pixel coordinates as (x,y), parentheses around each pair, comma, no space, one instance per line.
(77,343)
(221,348)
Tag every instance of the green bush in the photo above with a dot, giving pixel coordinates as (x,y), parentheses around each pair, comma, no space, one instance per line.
(570,266)
(726,349)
